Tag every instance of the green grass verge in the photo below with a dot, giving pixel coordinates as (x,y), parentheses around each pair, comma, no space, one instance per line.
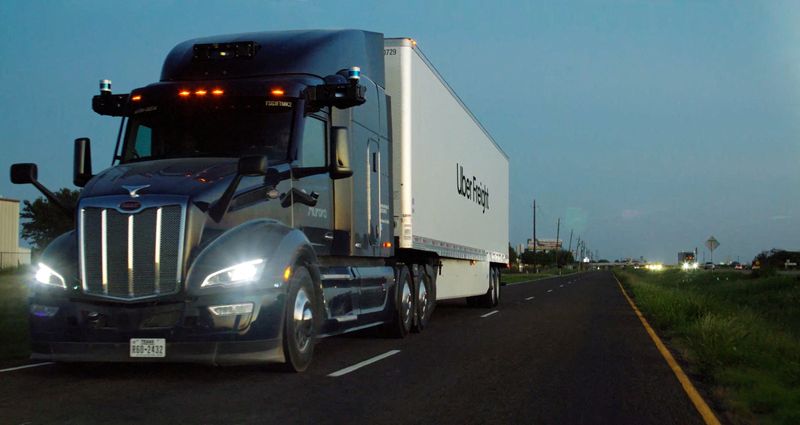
(14,344)
(741,334)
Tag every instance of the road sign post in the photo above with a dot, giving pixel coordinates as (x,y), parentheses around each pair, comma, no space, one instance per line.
(712,243)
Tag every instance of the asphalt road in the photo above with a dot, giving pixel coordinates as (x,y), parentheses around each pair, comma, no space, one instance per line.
(560,351)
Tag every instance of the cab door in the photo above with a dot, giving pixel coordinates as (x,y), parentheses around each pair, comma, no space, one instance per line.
(312,187)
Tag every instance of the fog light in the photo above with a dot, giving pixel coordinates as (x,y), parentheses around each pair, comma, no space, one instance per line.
(43,310)
(231,309)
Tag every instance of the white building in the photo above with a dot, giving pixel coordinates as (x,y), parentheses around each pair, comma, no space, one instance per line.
(11,254)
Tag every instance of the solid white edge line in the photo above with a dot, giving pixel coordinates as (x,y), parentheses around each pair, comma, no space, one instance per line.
(11,369)
(490,313)
(528,299)
(367,362)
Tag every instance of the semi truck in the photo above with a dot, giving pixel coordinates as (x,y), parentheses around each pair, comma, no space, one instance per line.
(272,189)
(687,260)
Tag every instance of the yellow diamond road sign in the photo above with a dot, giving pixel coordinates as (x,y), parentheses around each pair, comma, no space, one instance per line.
(712,243)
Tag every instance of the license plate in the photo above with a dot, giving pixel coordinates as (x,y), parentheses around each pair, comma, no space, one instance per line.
(148,347)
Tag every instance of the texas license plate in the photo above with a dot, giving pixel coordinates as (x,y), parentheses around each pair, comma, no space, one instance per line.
(148,347)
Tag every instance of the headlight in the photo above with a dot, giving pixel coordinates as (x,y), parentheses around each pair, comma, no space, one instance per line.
(241,273)
(47,276)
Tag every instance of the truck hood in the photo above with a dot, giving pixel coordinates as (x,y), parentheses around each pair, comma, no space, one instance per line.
(202,179)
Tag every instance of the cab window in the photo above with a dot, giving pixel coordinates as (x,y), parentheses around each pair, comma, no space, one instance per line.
(313,148)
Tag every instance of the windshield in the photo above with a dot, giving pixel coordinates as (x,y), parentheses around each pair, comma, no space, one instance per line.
(189,131)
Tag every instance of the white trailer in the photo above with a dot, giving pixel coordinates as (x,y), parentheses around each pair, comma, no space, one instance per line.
(450,177)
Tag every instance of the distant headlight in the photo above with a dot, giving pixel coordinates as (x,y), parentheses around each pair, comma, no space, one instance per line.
(47,276)
(241,273)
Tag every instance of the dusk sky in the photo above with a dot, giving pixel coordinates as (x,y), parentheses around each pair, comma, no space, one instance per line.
(647,126)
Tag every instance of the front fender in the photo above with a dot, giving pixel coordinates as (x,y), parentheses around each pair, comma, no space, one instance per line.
(274,242)
(61,255)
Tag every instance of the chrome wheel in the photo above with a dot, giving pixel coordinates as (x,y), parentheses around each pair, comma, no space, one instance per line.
(303,320)
(422,299)
(407,304)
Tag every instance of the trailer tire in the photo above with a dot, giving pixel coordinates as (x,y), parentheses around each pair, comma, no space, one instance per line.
(426,299)
(492,296)
(299,325)
(404,304)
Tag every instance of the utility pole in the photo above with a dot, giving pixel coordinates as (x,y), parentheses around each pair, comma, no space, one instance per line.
(535,268)
(558,248)
(534,227)
(570,242)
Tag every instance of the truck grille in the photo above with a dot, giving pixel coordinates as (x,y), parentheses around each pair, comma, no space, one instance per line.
(131,255)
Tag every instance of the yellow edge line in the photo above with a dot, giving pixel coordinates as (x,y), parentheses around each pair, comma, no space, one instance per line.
(691,391)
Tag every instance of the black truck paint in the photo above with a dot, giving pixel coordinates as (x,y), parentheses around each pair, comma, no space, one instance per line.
(251,147)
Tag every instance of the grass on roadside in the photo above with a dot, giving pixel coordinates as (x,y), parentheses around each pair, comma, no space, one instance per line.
(14,343)
(742,334)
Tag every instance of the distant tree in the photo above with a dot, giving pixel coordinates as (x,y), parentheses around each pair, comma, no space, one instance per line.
(777,258)
(44,221)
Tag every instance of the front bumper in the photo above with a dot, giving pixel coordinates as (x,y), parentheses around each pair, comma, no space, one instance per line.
(217,353)
(97,331)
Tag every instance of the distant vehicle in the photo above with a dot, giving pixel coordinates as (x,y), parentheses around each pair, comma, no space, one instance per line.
(738,266)
(709,265)
(686,260)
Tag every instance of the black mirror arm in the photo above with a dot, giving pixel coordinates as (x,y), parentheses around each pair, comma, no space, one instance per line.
(53,199)
(218,210)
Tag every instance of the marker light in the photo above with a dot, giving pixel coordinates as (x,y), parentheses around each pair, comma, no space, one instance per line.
(201,92)
(287,273)
(43,310)
(277,92)
(241,273)
(136,98)
(387,244)
(184,93)
(47,276)
(217,92)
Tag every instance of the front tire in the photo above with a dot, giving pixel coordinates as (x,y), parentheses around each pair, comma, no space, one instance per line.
(299,329)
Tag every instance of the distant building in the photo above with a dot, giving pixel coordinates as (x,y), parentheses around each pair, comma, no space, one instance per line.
(11,254)
(545,245)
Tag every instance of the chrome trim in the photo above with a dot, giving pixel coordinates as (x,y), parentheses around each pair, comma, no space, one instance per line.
(130,255)
(348,318)
(337,277)
(452,250)
(81,261)
(147,201)
(157,259)
(104,251)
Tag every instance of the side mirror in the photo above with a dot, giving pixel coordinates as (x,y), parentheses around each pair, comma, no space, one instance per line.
(340,146)
(24,173)
(251,166)
(29,174)
(82,169)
